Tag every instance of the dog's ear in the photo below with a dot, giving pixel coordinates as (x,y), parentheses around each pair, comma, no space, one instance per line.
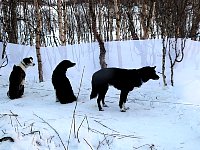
(14,66)
(154,67)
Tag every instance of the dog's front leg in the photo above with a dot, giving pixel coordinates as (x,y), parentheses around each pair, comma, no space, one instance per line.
(122,101)
(103,102)
(21,90)
(99,103)
(23,82)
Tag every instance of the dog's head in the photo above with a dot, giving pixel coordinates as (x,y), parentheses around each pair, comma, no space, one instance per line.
(28,62)
(148,73)
(64,65)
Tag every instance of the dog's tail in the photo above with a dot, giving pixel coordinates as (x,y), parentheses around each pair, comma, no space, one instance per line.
(94,91)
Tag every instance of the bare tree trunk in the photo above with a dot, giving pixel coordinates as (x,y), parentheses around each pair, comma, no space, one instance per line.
(145,34)
(117,19)
(195,19)
(171,60)
(111,28)
(65,22)
(116,9)
(164,51)
(5,22)
(78,22)
(9,9)
(38,44)
(176,54)
(13,21)
(60,23)
(97,36)
(131,24)
(148,11)
(107,21)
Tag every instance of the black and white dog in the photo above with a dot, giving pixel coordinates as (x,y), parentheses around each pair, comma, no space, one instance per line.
(122,79)
(17,78)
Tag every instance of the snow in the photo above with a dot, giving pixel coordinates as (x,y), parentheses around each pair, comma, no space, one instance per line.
(159,118)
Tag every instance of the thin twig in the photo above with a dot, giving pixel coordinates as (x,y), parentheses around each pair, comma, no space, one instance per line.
(119,136)
(105,126)
(85,118)
(88,144)
(32,132)
(16,117)
(79,129)
(53,130)
(74,112)
(101,143)
(79,90)
(2,115)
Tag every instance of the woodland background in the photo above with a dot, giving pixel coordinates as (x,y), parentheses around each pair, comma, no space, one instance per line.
(23,20)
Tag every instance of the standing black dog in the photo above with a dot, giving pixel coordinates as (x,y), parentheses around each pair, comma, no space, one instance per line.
(61,83)
(17,78)
(122,79)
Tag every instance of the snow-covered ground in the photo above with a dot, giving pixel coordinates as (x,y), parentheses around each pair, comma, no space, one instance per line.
(158,119)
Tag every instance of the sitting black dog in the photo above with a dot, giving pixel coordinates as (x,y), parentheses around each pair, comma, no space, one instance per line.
(122,79)
(61,83)
(17,78)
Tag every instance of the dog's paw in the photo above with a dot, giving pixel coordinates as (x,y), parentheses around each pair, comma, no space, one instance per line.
(124,109)
(101,109)
(104,105)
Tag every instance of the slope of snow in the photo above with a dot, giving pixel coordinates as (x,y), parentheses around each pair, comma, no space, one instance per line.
(158,119)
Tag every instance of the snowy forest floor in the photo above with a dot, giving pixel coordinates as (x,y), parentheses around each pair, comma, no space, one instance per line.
(158,119)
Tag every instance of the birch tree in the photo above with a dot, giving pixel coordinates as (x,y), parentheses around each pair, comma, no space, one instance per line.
(61,25)
(97,36)
(117,20)
(38,33)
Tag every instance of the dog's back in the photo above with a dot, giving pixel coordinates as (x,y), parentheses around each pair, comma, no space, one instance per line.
(117,77)
(16,78)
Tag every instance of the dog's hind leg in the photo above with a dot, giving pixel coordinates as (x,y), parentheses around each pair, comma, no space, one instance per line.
(122,101)
(105,89)
(21,90)
(101,97)
(99,103)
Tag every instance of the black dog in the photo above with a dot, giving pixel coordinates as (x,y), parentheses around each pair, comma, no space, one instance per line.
(61,83)
(17,78)
(122,79)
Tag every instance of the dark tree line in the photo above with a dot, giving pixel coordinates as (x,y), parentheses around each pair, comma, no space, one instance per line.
(69,22)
